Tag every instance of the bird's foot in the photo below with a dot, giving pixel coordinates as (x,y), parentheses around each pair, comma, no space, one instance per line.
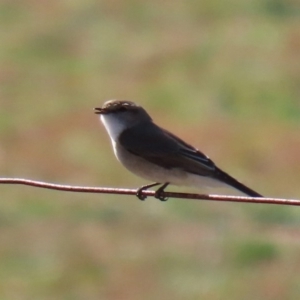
(159,193)
(139,192)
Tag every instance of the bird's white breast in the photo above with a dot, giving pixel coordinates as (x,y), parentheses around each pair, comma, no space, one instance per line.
(113,126)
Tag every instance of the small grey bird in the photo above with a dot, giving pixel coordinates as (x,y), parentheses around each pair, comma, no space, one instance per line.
(155,154)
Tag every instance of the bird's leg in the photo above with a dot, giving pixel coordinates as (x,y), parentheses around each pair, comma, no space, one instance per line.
(159,191)
(143,188)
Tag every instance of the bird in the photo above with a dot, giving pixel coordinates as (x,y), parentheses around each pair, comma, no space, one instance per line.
(155,154)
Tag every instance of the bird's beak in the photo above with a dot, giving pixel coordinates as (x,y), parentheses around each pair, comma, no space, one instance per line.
(100,111)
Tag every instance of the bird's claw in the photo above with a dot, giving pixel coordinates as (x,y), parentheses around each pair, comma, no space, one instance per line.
(144,188)
(140,195)
(159,195)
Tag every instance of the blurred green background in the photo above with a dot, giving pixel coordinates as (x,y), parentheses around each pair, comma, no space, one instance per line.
(223,75)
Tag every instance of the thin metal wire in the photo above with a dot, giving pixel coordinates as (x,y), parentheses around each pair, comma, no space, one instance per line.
(122,191)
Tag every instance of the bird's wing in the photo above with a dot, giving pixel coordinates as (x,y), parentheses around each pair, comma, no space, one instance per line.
(162,148)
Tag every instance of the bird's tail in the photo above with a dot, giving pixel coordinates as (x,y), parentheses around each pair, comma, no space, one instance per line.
(224,177)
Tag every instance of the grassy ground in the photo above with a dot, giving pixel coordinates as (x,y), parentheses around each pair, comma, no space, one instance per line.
(224,76)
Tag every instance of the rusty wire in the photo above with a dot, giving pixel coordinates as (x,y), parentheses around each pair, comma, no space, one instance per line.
(124,191)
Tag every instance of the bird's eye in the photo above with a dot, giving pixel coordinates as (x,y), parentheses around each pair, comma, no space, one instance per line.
(121,109)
